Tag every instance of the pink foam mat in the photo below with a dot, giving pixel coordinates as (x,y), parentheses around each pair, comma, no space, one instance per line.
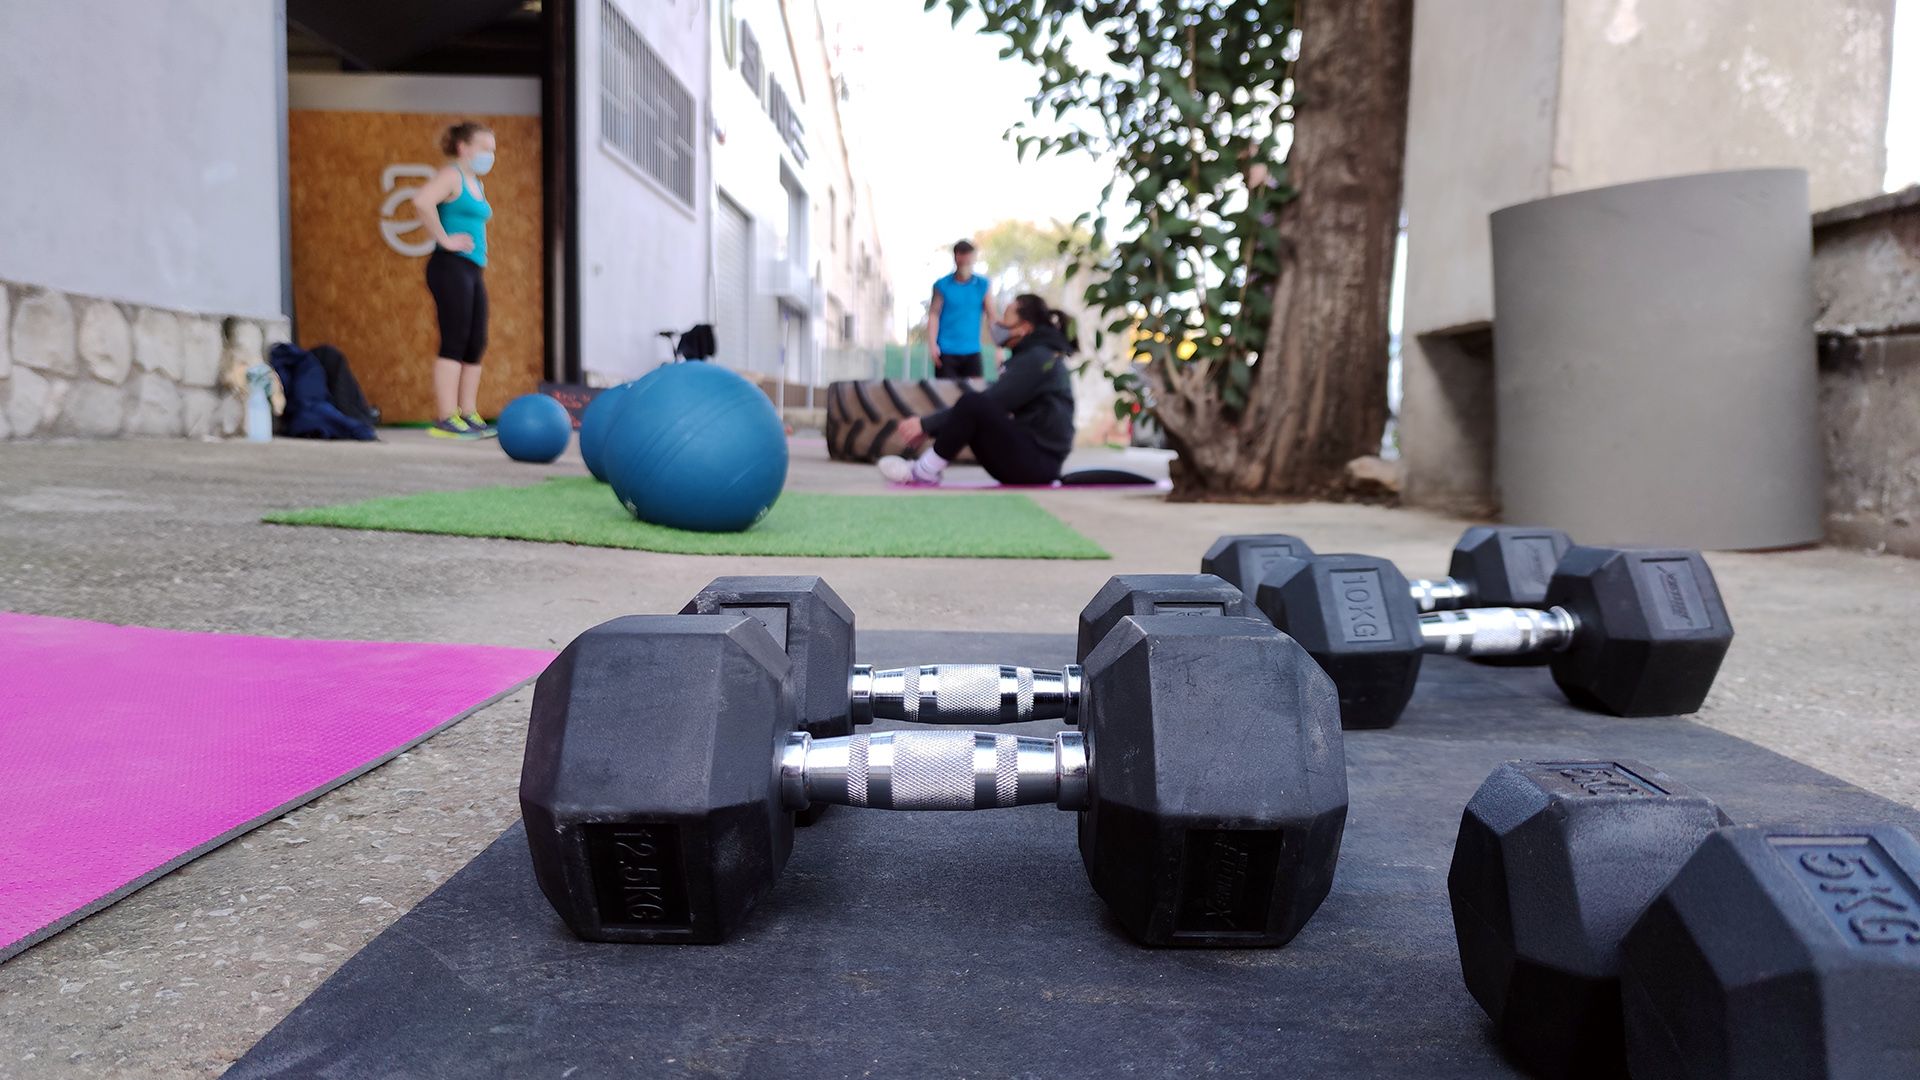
(988,483)
(127,751)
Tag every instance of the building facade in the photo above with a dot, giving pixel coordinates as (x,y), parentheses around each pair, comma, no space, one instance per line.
(799,295)
(644,200)
(218,175)
(140,213)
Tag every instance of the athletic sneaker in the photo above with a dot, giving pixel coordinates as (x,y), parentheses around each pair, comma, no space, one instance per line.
(452,428)
(481,429)
(899,470)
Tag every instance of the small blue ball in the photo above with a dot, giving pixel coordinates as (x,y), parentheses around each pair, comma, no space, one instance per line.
(534,427)
(595,421)
(696,446)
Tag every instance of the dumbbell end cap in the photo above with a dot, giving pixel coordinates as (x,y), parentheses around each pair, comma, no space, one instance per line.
(1438,594)
(860,693)
(793,770)
(1070,758)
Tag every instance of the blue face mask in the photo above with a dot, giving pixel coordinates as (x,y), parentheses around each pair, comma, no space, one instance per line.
(483,163)
(999,332)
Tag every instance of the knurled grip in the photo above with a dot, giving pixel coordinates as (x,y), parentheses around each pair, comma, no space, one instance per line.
(1497,631)
(971,694)
(934,770)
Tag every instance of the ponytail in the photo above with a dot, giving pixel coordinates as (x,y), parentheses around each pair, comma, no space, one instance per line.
(1035,312)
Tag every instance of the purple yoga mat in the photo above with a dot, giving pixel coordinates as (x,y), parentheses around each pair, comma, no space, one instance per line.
(988,483)
(127,751)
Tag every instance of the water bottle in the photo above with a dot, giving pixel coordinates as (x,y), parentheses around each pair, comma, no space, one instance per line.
(259,408)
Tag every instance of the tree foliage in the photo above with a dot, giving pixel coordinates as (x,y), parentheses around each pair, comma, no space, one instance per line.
(1024,256)
(1192,101)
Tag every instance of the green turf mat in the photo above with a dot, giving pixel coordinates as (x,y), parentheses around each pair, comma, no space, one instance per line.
(580,510)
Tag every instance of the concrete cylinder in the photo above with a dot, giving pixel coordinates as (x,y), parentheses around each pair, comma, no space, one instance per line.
(1654,370)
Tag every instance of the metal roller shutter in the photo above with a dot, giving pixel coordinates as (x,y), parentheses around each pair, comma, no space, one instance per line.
(733,276)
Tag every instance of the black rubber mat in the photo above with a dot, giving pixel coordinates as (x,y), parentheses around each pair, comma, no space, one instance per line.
(936,945)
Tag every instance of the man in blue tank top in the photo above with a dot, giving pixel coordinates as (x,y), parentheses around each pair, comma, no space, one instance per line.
(960,301)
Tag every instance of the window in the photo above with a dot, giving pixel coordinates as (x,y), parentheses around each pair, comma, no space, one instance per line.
(646,114)
(750,58)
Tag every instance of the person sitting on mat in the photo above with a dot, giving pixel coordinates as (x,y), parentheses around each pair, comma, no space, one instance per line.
(1021,427)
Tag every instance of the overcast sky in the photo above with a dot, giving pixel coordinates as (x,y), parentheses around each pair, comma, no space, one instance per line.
(929,105)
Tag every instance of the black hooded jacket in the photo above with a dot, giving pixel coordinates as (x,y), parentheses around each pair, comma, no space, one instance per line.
(1036,387)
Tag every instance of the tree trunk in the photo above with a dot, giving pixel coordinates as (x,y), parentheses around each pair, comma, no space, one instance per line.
(1318,394)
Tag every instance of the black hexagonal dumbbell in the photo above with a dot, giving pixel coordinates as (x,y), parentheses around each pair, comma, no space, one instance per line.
(1156,594)
(1742,952)
(815,628)
(665,761)
(1628,632)
(1784,952)
(1242,559)
(1553,862)
(1492,565)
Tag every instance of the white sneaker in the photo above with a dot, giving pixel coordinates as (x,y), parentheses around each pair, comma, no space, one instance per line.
(896,469)
(899,470)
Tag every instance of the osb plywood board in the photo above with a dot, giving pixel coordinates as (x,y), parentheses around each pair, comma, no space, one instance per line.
(356,286)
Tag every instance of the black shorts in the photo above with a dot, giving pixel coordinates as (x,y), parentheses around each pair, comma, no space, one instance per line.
(957,366)
(459,289)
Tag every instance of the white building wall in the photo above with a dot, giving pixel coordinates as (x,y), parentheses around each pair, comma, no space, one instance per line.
(750,158)
(139,152)
(642,253)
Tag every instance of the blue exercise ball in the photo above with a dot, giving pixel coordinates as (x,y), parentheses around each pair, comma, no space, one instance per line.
(534,427)
(696,446)
(595,421)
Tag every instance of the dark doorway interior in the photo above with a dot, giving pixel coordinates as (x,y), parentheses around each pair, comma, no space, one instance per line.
(472,37)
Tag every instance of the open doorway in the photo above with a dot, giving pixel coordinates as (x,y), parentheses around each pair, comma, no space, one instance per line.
(371,85)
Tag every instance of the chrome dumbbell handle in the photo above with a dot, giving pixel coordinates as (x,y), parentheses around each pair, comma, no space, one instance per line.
(978,694)
(934,770)
(1433,594)
(1502,631)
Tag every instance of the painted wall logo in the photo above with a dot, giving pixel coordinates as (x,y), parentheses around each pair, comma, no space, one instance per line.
(394,229)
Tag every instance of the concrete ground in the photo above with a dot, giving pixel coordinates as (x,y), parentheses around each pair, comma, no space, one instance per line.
(182,977)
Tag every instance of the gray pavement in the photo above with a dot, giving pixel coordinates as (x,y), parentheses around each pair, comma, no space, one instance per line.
(183,976)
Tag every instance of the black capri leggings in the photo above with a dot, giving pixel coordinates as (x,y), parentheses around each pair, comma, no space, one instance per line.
(459,289)
(1006,450)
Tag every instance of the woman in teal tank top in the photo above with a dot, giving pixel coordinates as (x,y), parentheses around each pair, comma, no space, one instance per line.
(453,206)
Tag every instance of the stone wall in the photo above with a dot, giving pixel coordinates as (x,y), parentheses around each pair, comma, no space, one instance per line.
(1866,284)
(81,366)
